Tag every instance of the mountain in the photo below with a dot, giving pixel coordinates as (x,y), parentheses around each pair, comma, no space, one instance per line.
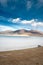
(4,32)
(23,32)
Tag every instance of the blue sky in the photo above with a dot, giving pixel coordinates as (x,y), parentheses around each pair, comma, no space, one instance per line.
(21,14)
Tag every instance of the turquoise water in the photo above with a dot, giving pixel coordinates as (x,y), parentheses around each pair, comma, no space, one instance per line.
(16,42)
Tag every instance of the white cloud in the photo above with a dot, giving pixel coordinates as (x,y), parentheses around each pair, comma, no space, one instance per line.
(25,22)
(21,21)
(37,23)
(33,22)
(28,21)
(40,23)
(4,28)
(14,20)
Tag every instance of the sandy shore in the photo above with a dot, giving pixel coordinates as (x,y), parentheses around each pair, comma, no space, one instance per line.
(32,56)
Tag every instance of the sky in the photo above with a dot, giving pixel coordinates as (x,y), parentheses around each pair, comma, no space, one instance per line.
(21,14)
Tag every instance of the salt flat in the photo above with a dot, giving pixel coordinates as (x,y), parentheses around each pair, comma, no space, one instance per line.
(16,43)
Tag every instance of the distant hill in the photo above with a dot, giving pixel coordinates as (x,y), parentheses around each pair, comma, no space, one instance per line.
(22,32)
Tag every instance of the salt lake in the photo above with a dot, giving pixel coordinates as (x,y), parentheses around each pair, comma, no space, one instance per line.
(8,43)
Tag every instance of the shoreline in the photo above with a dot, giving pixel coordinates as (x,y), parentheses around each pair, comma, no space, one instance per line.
(21,35)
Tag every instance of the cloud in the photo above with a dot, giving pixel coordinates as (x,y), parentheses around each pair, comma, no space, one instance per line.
(28,5)
(18,20)
(27,21)
(33,22)
(14,20)
(39,3)
(3,3)
(18,23)
(8,4)
(40,23)
(4,28)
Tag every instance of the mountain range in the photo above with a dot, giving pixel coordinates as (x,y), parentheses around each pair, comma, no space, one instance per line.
(22,32)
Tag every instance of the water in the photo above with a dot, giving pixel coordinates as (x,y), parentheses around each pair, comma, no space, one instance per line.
(16,43)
